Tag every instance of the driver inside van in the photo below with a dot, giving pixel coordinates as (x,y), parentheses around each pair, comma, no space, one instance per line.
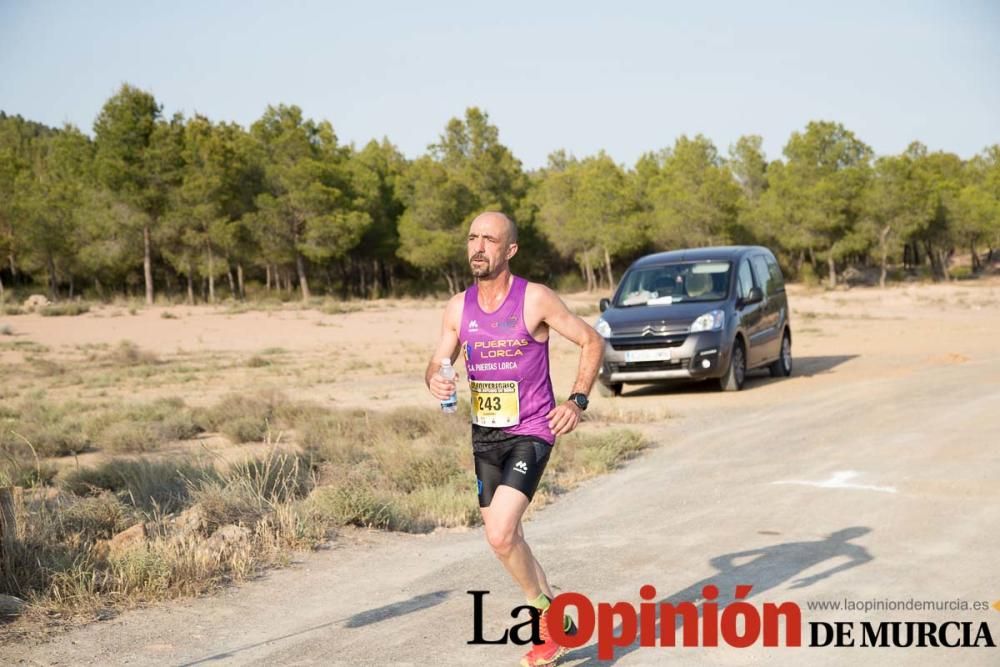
(697,285)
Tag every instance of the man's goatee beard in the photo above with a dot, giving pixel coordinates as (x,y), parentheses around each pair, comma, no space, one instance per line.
(480,272)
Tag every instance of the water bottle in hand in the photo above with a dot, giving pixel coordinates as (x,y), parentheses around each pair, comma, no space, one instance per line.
(447,371)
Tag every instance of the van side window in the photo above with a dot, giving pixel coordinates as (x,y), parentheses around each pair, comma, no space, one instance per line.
(777,280)
(744,282)
(763,275)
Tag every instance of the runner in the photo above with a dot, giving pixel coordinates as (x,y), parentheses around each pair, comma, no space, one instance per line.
(502,324)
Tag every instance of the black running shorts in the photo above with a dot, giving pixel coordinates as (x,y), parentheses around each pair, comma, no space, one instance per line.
(517,462)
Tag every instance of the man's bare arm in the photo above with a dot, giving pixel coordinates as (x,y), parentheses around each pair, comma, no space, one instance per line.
(558,317)
(447,347)
(565,323)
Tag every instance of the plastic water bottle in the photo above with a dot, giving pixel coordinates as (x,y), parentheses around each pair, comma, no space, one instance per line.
(447,371)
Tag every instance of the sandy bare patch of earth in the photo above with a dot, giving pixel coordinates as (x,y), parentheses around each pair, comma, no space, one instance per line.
(871,473)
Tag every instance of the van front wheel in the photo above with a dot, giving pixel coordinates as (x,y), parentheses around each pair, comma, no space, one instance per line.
(735,374)
(609,390)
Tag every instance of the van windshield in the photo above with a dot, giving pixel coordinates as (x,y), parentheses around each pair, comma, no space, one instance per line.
(666,284)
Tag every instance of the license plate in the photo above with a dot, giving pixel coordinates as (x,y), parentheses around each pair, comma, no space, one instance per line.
(662,354)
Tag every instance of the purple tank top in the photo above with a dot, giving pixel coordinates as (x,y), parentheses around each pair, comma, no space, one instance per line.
(508,369)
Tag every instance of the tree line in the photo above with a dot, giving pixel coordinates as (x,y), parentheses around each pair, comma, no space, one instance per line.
(206,209)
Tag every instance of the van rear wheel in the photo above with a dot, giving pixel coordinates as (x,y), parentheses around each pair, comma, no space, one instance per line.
(782,366)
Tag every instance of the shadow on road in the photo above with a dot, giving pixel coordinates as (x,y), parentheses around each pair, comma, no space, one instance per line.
(803,367)
(396,609)
(764,568)
(809,366)
(358,620)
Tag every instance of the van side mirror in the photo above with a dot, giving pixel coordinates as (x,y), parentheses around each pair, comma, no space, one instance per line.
(756,296)
(604,304)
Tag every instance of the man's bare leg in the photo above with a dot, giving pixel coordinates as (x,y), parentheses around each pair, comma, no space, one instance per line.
(505,535)
(543,582)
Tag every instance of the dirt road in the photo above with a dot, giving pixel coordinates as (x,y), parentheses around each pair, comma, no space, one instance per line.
(872,474)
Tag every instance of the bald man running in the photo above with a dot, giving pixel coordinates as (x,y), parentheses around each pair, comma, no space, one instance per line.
(502,325)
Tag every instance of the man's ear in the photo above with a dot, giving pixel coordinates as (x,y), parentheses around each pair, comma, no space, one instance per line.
(511,250)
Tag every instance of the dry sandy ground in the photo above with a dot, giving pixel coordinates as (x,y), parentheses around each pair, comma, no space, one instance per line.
(872,473)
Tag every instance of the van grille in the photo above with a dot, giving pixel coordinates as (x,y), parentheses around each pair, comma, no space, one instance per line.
(639,366)
(647,342)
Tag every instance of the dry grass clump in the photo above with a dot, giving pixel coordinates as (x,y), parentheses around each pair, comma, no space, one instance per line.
(339,307)
(50,429)
(127,353)
(44,367)
(586,454)
(100,517)
(258,361)
(195,525)
(152,487)
(244,417)
(26,346)
(405,470)
(253,489)
(412,470)
(44,427)
(618,413)
(19,468)
(66,560)
(143,427)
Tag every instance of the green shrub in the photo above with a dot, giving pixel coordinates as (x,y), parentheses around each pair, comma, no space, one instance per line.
(807,275)
(569,282)
(63,309)
(962,273)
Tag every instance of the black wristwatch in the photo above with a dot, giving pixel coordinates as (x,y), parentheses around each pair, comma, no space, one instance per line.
(580,400)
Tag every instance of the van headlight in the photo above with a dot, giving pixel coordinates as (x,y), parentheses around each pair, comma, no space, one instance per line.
(603,328)
(713,320)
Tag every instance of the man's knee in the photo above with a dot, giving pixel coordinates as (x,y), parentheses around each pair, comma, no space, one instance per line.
(502,539)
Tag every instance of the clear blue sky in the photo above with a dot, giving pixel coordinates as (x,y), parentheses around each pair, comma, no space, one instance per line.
(625,77)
